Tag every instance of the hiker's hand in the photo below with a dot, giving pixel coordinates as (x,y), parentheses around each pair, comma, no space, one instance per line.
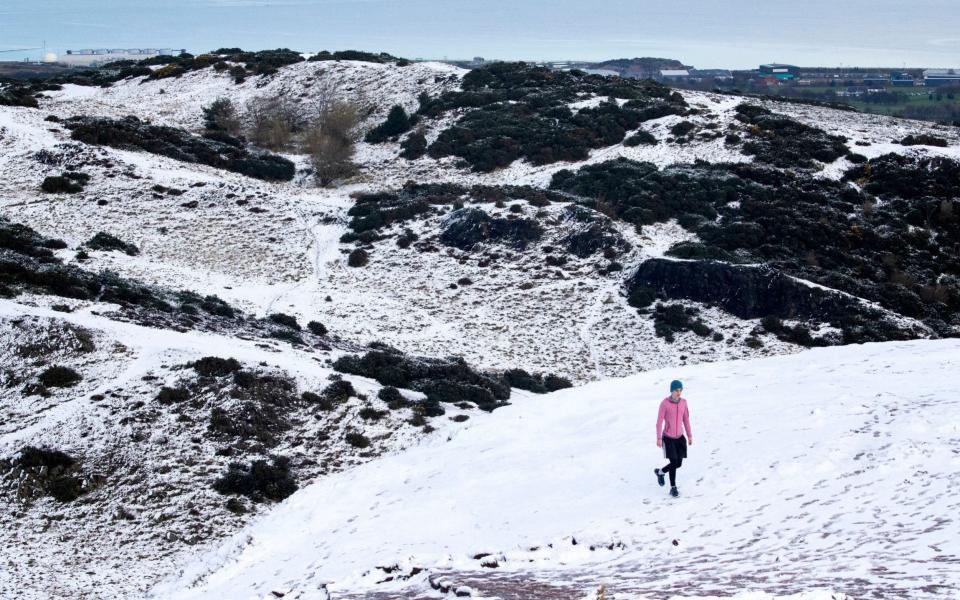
(659,442)
(690,441)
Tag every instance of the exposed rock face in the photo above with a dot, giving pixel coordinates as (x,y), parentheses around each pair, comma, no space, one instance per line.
(751,292)
(591,232)
(466,227)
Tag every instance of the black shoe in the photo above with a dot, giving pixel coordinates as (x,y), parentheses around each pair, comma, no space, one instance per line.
(659,474)
(674,491)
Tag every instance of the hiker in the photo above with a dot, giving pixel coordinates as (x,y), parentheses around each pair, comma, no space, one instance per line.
(673,411)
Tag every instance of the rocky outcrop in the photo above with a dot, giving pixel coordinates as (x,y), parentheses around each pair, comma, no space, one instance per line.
(467,227)
(751,292)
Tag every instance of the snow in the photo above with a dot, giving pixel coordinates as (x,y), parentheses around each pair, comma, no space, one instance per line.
(834,469)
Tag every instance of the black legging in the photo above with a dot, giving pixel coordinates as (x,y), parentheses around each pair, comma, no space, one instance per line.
(671,469)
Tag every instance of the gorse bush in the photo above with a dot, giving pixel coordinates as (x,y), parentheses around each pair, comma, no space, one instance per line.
(108,242)
(520,111)
(259,480)
(222,115)
(131,133)
(397,122)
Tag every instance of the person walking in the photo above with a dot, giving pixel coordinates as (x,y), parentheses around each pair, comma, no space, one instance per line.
(673,412)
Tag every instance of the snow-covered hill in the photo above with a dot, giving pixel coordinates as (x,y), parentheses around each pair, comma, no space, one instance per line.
(831,469)
(835,469)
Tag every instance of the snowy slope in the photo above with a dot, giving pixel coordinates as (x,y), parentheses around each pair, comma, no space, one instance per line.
(837,469)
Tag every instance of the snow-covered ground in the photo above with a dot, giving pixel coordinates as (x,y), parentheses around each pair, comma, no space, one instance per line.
(835,469)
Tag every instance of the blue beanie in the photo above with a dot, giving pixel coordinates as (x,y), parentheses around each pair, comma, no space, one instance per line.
(676,385)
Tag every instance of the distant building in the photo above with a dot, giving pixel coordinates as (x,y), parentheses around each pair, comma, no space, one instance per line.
(780,71)
(938,77)
(875,80)
(101,56)
(901,79)
(721,76)
(674,74)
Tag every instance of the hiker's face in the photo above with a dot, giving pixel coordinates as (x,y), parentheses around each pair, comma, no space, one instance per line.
(676,393)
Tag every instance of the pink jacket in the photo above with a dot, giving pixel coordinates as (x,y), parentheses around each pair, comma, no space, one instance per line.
(672,413)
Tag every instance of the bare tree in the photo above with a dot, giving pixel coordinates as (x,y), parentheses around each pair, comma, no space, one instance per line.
(331,139)
(273,121)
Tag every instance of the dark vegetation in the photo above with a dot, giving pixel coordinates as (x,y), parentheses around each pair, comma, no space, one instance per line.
(783,142)
(535,382)
(372,212)
(108,242)
(70,182)
(259,480)
(46,472)
(413,146)
(641,138)
(132,134)
(379,57)
(397,123)
(924,140)
(442,380)
(670,319)
(467,227)
(521,112)
(592,232)
(58,376)
(901,253)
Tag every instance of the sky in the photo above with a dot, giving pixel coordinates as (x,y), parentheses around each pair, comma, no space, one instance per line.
(701,33)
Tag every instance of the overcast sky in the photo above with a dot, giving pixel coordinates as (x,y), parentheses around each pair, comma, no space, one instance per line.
(703,33)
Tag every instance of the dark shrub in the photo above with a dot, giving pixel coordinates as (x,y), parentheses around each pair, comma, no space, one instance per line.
(60,184)
(641,296)
(339,391)
(642,137)
(65,489)
(285,320)
(371,414)
(414,146)
(460,418)
(406,238)
(58,376)
(311,397)
(132,134)
(358,258)
(221,116)
(357,440)
(259,481)
(924,139)
(248,421)
(555,382)
(393,398)
(669,319)
(175,395)
(397,122)
(466,227)
(783,142)
(107,242)
(682,128)
(33,457)
(317,328)
(212,366)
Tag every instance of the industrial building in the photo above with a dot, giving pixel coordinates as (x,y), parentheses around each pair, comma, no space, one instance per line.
(901,79)
(941,77)
(779,71)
